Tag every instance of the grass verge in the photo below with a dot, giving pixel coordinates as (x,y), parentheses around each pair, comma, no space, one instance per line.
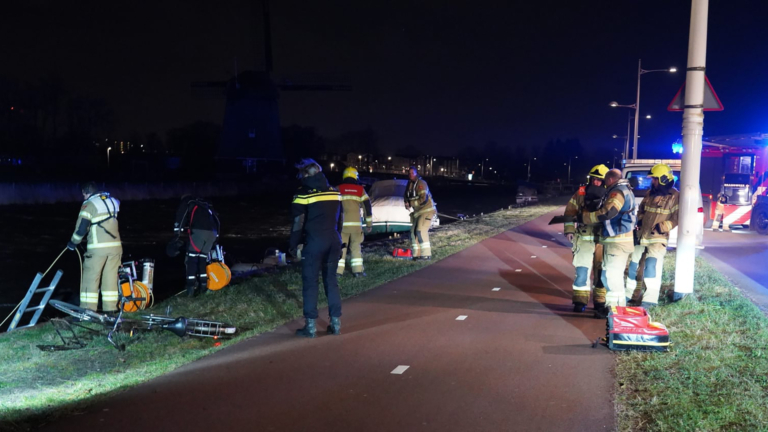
(38,386)
(715,377)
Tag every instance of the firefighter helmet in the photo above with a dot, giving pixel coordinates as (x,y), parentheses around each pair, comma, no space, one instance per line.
(350,172)
(218,275)
(307,168)
(662,172)
(598,171)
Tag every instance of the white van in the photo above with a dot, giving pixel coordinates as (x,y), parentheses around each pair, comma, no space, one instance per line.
(636,171)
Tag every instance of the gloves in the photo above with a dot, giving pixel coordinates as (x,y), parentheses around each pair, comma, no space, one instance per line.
(71,246)
(580,218)
(569,236)
(656,229)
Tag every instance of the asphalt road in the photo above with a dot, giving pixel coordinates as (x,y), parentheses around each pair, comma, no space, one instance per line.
(518,360)
(742,255)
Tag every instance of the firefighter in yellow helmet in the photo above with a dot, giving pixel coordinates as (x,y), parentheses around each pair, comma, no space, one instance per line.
(587,252)
(656,217)
(353,200)
(98,222)
(419,199)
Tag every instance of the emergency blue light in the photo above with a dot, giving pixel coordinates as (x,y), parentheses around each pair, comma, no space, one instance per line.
(677,147)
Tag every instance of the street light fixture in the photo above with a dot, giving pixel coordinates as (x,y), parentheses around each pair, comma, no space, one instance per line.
(331,166)
(108,149)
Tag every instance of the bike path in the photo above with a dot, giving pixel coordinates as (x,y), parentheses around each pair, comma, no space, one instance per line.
(520,359)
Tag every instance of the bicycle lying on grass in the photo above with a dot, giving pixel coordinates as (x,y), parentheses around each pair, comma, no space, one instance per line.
(179,326)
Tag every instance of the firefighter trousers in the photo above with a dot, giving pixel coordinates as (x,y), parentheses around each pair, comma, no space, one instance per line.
(587,259)
(100,271)
(615,257)
(720,220)
(654,263)
(199,246)
(354,242)
(420,225)
(321,257)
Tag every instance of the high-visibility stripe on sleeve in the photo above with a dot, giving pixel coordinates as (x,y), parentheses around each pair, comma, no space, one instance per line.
(309,199)
(352,224)
(85,215)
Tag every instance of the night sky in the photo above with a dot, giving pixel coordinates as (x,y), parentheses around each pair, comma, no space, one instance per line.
(434,74)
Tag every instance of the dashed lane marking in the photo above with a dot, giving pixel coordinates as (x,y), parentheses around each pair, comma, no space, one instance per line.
(399,370)
(496,289)
(461,318)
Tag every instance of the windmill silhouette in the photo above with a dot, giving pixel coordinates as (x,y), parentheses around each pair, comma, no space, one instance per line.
(250,136)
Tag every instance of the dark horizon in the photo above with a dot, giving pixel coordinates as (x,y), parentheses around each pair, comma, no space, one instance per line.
(434,76)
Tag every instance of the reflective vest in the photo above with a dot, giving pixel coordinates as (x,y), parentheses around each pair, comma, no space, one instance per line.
(626,220)
(98,221)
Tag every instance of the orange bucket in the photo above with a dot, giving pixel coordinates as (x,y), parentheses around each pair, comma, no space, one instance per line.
(218,275)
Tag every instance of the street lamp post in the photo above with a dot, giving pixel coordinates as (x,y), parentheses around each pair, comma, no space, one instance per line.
(640,72)
(108,149)
(569,168)
(529,168)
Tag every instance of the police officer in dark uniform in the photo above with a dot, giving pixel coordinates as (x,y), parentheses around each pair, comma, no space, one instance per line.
(201,223)
(318,217)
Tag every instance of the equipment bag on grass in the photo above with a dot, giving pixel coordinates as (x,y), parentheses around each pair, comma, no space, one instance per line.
(631,328)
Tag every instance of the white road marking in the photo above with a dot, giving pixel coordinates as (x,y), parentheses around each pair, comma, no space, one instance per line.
(399,370)
(496,289)
(544,246)
(461,318)
(518,270)
(533,256)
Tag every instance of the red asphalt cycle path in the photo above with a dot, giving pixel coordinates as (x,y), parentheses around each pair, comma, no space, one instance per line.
(521,360)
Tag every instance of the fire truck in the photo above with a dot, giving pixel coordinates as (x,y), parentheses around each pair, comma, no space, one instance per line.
(734,167)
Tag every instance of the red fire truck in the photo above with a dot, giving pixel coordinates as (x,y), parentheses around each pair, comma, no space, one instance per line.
(735,166)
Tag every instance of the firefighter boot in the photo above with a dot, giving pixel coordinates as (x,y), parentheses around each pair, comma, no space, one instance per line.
(308,330)
(579,307)
(334,327)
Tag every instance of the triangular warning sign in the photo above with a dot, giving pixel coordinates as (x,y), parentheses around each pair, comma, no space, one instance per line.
(711,101)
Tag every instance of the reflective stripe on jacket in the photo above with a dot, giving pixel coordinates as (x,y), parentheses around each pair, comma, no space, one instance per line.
(353,199)
(98,222)
(576,205)
(617,215)
(657,216)
(417,195)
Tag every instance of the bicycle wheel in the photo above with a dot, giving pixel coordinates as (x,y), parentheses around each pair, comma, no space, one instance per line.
(81,313)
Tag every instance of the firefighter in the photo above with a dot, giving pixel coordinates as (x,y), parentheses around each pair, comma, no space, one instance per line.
(317,216)
(722,200)
(353,199)
(587,252)
(201,223)
(98,221)
(617,217)
(419,199)
(656,217)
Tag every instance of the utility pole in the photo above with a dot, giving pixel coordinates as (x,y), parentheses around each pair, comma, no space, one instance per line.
(637,108)
(693,127)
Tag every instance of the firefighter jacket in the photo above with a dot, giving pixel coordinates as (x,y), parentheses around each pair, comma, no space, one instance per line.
(98,221)
(586,198)
(316,211)
(617,215)
(353,199)
(657,215)
(196,214)
(418,197)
